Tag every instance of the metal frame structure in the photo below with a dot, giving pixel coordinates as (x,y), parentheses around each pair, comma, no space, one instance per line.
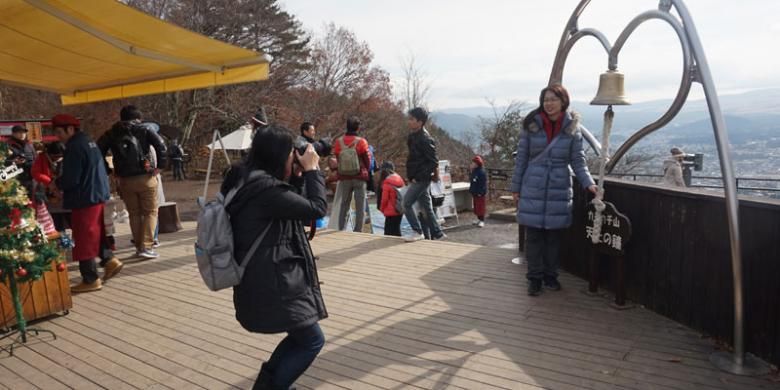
(695,69)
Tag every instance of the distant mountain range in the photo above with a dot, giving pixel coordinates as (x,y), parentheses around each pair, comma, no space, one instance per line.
(750,116)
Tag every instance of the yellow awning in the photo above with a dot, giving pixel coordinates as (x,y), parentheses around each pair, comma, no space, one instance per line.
(95,50)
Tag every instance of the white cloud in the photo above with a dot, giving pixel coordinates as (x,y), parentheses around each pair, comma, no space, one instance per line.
(503,49)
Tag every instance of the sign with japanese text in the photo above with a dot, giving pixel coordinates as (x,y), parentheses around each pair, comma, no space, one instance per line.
(443,188)
(615,230)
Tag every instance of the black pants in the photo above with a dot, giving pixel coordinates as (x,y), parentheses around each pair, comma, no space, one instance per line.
(88,270)
(178,169)
(542,252)
(393,225)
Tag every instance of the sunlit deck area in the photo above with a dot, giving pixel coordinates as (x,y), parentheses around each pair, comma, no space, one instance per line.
(430,315)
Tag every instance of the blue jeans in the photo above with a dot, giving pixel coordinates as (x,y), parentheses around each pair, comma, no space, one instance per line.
(294,355)
(542,253)
(419,192)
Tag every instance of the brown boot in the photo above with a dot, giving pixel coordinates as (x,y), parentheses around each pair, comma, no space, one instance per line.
(87,287)
(112,268)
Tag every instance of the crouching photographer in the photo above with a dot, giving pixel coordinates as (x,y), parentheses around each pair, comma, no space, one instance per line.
(279,291)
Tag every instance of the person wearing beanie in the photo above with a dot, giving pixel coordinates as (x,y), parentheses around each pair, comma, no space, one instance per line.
(673,174)
(478,189)
(390,184)
(84,183)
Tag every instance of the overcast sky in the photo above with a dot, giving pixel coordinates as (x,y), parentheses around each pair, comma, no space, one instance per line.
(503,49)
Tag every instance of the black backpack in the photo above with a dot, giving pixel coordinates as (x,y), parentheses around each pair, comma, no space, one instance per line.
(130,158)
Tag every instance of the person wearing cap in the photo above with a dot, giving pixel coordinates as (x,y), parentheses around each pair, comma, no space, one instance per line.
(422,167)
(130,144)
(387,197)
(478,189)
(22,153)
(84,183)
(673,174)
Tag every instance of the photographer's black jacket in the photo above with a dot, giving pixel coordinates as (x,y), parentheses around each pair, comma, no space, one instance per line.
(280,288)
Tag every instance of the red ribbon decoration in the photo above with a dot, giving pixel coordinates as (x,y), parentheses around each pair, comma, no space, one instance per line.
(16,218)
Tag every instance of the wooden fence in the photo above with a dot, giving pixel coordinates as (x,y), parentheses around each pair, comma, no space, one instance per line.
(679,265)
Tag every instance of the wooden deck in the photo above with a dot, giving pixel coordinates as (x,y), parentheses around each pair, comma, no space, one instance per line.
(430,315)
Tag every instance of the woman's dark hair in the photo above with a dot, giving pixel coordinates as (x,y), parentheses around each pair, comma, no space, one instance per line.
(388,168)
(271,147)
(556,89)
(55,149)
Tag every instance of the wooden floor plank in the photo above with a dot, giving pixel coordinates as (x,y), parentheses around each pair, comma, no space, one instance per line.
(428,315)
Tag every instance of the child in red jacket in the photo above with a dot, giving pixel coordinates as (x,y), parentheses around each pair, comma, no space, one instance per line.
(390,185)
(44,170)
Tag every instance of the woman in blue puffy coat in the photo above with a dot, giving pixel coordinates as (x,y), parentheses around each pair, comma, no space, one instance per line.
(549,149)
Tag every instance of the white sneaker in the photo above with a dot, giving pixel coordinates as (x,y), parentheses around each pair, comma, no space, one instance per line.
(481,224)
(147,254)
(475,222)
(414,237)
(442,237)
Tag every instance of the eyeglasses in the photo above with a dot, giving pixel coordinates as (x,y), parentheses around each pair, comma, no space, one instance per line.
(552,99)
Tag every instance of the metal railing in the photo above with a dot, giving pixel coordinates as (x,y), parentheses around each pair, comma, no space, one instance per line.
(696,181)
(713,182)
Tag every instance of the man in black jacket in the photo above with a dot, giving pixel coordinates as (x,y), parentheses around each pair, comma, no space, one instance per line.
(422,167)
(84,183)
(129,145)
(23,155)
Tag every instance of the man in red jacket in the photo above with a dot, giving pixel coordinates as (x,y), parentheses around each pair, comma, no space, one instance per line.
(352,182)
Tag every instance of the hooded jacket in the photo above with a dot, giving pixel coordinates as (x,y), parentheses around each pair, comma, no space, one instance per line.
(673,175)
(280,289)
(389,195)
(478,181)
(544,183)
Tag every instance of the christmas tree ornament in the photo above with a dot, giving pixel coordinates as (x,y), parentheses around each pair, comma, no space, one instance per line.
(25,253)
(61,267)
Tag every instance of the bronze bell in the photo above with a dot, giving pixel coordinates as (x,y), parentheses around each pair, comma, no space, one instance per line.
(611,92)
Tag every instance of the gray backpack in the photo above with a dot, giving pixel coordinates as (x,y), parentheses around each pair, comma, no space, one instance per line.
(349,162)
(399,200)
(214,246)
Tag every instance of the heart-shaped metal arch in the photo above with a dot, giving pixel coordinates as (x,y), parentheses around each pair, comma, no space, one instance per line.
(695,68)
(572,35)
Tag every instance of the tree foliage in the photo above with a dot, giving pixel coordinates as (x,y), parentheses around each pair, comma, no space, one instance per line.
(501,131)
(322,79)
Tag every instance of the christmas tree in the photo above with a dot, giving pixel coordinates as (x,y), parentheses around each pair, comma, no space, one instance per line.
(25,253)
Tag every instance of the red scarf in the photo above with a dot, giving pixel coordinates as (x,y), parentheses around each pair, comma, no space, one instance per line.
(552,128)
